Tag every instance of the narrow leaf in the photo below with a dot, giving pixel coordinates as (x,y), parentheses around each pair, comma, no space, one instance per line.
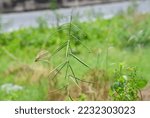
(67,49)
(73,73)
(73,79)
(67,70)
(70,97)
(75,26)
(84,80)
(81,43)
(61,47)
(58,67)
(59,70)
(79,60)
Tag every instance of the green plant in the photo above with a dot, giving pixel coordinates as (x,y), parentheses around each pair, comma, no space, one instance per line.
(125,32)
(127,84)
(72,39)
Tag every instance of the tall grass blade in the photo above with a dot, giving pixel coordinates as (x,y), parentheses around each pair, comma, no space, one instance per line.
(70,97)
(75,26)
(9,54)
(67,49)
(60,48)
(58,70)
(81,43)
(67,70)
(73,74)
(84,80)
(60,65)
(74,80)
(79,60)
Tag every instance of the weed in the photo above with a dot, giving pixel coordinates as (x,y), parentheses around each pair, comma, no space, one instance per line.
(71,38)
(127,84)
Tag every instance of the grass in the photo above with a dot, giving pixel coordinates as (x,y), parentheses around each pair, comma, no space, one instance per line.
(121,39)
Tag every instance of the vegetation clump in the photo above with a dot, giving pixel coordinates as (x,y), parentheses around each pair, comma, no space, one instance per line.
(69,53)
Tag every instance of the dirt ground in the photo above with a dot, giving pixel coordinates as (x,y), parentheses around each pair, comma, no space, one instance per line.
(146,94)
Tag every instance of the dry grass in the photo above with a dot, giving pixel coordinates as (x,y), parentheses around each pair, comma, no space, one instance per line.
(146,94)
(28,73)
(97,89)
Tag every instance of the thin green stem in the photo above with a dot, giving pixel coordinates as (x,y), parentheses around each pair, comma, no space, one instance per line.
(67,49)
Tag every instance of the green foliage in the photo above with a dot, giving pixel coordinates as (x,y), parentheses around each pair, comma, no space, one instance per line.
(71,37)
(123,31)
(127,84)
(68,47)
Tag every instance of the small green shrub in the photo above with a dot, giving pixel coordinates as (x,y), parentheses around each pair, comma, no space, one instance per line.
(127,84)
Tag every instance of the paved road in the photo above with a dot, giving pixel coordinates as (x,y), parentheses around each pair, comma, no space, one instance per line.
(15,21)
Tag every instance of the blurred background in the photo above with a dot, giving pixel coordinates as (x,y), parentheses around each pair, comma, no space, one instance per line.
(26,5)
(109,36)
(15,12)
